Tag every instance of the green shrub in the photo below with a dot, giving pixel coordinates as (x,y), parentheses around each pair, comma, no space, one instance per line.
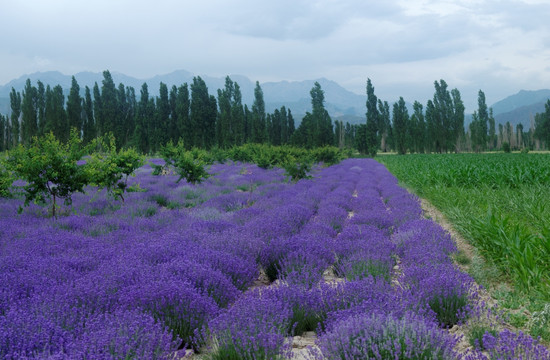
(188,164)
(296,170)
(6,179)
(447,308)
(50,169)
(110,169)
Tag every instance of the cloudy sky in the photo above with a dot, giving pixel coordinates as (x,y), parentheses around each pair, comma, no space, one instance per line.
(403,46)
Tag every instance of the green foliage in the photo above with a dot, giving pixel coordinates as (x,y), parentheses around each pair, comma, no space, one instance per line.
(475,335)
(506,147)
(110,168)
(542,125)
(297,170)
(400,126)
(540,323)
(188,164)
(6,179)
(447,308)
(365,268)
(303,320)
(329,155)
(50,169)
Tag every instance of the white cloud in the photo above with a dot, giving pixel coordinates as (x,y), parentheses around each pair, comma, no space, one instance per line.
(403,46)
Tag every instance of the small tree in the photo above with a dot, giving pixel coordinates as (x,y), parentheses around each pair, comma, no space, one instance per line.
(110,168)
(188,164)
(50,168)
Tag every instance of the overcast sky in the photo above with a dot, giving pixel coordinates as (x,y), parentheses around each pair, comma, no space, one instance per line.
(403,46)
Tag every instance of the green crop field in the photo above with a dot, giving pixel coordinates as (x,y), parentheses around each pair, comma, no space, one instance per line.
(501,204)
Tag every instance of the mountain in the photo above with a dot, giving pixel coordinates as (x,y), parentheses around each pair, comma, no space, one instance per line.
(294,95)
(520,107)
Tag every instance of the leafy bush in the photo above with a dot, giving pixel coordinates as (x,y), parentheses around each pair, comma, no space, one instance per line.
(506,147)
(50,168)
(297,171)
(188,164)
(110,168)
(6,179)
(329,155)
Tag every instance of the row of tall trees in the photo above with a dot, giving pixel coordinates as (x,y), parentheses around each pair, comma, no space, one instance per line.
(191,113)
(186,112)
(438,129)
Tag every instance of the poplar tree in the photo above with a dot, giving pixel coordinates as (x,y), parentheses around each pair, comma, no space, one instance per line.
(98,115)
(237,117)
(15,103)
(108,106)
(224,130)
(323,130)
(143,115)
(400,125)
(184,121)
(162,118)
(203,113)
(492,131)
(74,107)
(371,138)
(457,124)
(173,133)
(386,142)
(41,106)
(88,123)
(29,113)
(130,116)
(56,117)
(258,125)
(185,130)
(417,129)
(291,125)
(284,125)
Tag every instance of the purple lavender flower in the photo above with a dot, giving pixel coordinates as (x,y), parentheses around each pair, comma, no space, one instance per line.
(510,346)
(381,336)
(253,328)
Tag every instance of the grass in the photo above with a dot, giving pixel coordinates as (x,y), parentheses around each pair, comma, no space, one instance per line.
(498,202)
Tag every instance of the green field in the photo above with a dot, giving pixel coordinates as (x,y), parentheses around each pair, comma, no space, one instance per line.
(501,204)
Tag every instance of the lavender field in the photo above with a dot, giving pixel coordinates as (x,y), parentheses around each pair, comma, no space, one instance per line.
(234,267)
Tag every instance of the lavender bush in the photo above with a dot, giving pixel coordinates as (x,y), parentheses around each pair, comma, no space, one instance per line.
(383,336)
(253,328)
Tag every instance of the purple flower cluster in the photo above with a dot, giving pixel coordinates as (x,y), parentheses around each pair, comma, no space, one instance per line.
(253,328)
(386,336)
(348,254)
(510,346)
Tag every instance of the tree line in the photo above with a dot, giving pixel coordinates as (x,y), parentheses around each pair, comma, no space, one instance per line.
(147,123)
(191,114)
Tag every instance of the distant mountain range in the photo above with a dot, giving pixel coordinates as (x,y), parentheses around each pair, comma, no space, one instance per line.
(340,103)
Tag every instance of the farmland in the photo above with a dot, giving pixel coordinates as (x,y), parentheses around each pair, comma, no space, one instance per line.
(499,202)
(234,267)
